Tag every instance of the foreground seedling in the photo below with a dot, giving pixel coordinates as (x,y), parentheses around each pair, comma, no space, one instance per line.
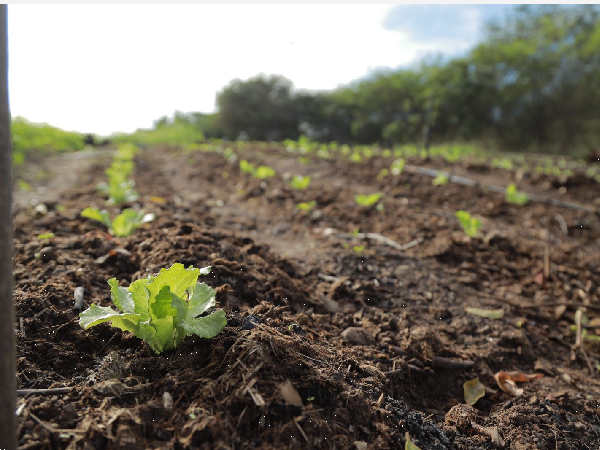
(161,310)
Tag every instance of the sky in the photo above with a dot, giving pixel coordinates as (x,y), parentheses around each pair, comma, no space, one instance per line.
(110,68)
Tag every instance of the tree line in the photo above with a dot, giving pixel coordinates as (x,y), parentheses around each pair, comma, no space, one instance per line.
(531,83)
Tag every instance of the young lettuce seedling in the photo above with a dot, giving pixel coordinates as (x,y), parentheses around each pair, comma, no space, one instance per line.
(516,197)
(300,182)
(470,224)
(246,167)
(306,206)
(368,200)
(262,172)
(397,166)
(122,225)
(440,180)
(161,310)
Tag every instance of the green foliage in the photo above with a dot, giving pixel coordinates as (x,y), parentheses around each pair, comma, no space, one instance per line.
(367,200)
(516,197)
(41,139)
(181,130)
(397,166)
(123,224)
(531,83)
(120,188)
(262,172)
(263,108)
(300,182)
(45,236)
(161,310)
(358,248)
(306,206)
(246,167)
(24,185)
(440,180)
(382,174)
(469,224)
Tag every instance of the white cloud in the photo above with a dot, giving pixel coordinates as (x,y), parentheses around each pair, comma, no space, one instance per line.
(105,68)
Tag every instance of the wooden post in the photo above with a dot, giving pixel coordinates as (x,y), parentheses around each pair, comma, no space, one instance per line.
(8,383)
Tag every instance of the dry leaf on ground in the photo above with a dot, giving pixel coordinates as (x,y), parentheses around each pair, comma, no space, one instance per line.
(506,381)
(474,390)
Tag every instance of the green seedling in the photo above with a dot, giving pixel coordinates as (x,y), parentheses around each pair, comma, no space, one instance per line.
(382,174)
(368,200)
(23,185)
(355,157)
(358,248)
(45,235)
(161,310)
(398,166)
(246,167)
(123,224)
(440,180)
(300,182)
(470,224)
(584,332)
(516,197)
(263,172)
(306,206)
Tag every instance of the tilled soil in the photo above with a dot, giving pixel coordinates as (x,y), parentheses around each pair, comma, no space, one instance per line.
(329,344)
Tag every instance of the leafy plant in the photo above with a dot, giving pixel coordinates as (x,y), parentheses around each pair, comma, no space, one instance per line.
(306,206)
(367,200)
(123,224)
(382,174)
(263,172)
(516,197)
(470,224)
(119,187)
(44,236)
(246,167)
(440,180)
(161,310)
(398,166)
(355,157)
(300,182)
(358,248)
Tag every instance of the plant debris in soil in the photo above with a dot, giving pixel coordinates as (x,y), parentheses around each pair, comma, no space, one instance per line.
(325,347)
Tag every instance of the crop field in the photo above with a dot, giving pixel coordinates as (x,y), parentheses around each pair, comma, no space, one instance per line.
(357,298)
